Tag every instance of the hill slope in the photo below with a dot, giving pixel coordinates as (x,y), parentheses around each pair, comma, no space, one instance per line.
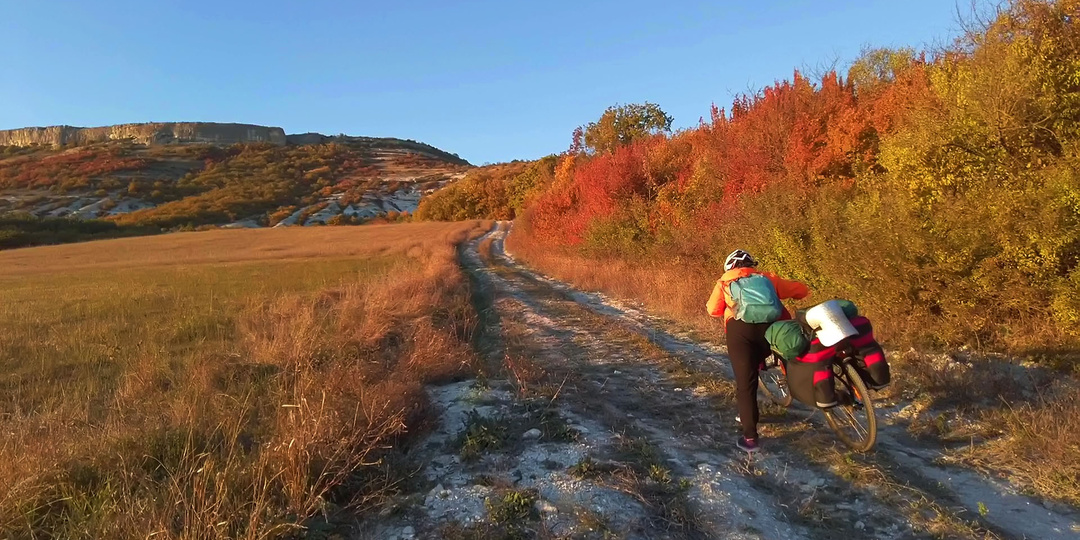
(177,175)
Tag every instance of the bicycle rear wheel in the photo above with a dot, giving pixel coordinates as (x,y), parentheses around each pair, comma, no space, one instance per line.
(774,384)
(853,419)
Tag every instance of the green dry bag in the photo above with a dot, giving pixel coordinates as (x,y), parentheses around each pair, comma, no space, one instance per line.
(787,339)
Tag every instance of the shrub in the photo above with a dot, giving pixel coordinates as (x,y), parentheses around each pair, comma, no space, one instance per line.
(24,230)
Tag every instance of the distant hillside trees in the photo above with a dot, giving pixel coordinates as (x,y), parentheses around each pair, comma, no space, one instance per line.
(200,185)
(493,192)
(24,230)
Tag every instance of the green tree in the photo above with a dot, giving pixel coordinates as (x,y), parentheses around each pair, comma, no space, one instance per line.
(878,67)
(623,124)
(536,177)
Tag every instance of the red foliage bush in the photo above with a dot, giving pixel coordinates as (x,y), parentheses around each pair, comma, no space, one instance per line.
(73,168)
(793,132)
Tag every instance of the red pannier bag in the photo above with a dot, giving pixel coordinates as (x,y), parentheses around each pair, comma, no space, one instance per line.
(810,375)
(870,357)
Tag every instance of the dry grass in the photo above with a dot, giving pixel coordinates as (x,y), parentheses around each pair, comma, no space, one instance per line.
(220,384)
(1040,448)
(1020,423)
(667,288)
(226,246)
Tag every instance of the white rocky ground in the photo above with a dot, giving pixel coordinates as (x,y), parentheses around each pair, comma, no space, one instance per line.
(629,434)
(377,202)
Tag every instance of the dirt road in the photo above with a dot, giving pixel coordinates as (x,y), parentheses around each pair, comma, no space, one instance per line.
(613,424)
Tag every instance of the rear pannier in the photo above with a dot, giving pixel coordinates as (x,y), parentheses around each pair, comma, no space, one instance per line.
(872,365)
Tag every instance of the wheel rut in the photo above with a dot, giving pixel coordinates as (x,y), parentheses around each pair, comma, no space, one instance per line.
(674,391)
(602,421)
(643,384)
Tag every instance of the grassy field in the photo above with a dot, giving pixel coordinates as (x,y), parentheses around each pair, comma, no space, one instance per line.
(222,383)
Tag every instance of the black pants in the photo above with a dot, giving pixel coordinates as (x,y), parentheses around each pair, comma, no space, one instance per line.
(747,349)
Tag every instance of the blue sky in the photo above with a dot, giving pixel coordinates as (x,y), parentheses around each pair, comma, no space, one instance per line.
(491,81)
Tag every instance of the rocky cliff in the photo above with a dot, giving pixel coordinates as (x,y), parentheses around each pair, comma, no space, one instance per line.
(376,143)
(149,134)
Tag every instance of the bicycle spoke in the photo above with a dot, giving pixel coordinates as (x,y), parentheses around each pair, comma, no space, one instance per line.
(855,423)
(778,384)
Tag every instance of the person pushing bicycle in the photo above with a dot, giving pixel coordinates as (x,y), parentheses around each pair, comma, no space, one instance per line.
(749,300)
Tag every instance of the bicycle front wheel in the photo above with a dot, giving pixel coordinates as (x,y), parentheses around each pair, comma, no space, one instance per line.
(853,419)
(774,384)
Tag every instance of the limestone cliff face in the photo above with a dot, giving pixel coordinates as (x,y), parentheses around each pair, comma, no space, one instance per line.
(149,134)
(376,143)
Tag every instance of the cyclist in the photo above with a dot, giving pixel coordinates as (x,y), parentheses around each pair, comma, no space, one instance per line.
(747,347)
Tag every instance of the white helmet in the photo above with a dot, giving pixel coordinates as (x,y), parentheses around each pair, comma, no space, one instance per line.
(738,259)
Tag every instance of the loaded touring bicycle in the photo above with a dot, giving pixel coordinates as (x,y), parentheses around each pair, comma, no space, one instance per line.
(827,358)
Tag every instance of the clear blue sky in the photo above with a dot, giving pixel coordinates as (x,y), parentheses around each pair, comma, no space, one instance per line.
(491,81)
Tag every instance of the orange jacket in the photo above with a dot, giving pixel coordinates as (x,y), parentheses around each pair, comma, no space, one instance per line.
(721,304)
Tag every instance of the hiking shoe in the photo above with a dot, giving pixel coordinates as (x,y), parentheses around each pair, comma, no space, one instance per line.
(826,405)
(747,445)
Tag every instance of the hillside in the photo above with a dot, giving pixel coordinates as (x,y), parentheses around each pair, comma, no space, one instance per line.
(190,175)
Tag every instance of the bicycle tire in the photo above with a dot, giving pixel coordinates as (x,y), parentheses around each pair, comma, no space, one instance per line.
(854,382)
(774,385)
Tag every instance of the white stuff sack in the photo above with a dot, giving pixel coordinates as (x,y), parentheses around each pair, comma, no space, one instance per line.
(830,323)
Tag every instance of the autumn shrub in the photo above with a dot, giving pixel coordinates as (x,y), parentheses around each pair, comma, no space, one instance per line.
(493,192)
(23,230)
(70,169)
(626,231)
(280,214)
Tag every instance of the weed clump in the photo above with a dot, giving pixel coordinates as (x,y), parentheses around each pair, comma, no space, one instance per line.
(585,469)
(481,435)
(512,507)
(510,514)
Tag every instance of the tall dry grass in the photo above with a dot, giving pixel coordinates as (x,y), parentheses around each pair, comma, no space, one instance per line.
(224,246)
(670,288)
(1040,448)
(241,395)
